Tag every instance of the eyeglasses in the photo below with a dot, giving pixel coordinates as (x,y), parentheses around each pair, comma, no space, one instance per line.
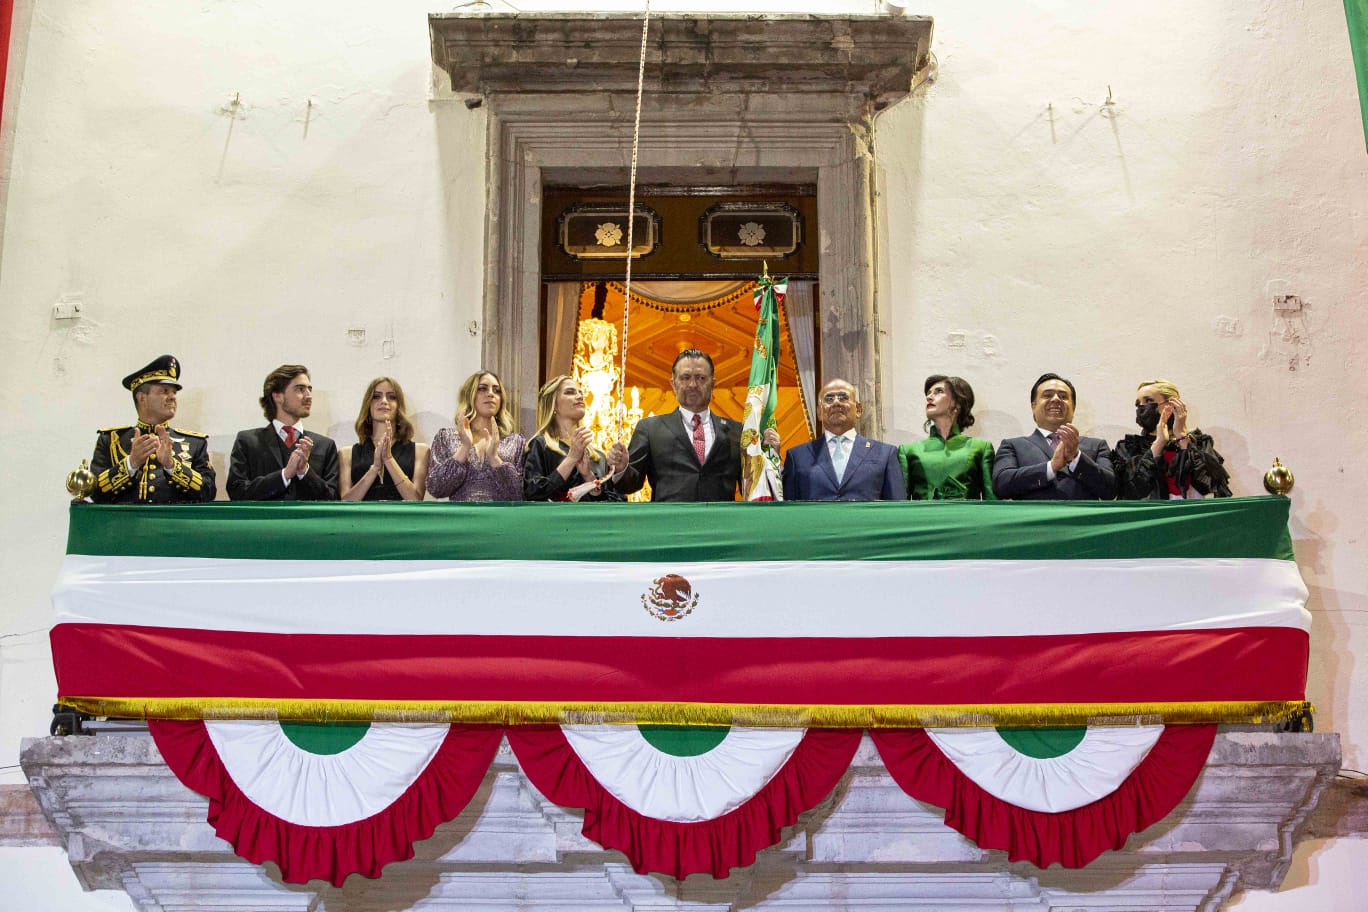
(829,398)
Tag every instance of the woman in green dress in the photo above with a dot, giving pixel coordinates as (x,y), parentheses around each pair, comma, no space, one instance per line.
(948,465)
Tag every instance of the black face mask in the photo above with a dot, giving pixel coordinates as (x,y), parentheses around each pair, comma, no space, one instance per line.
(1147,416)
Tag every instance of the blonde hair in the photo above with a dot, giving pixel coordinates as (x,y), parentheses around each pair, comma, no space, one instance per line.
(465,402)
(1168,389)
(403,428)
(546,416)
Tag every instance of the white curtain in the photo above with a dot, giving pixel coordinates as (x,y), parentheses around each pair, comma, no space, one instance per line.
(562,319)
(798,309)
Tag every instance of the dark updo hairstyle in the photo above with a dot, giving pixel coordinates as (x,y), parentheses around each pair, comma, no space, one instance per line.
(960,392)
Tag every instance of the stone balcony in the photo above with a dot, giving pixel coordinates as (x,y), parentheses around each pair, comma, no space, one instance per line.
(128,824)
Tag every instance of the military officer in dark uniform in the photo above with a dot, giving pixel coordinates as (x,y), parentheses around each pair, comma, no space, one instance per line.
(151,462)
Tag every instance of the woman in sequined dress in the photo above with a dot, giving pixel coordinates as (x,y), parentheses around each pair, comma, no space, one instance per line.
(481,458)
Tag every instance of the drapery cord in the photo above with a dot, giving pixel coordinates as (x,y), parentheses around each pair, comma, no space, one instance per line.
(631,222)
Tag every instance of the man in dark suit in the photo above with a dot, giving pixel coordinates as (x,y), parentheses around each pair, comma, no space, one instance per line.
(840,464)
(282,461)
(1054,463)
(689,454)
(151,462)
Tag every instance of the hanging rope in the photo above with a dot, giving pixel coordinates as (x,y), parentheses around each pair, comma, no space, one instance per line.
(631,223)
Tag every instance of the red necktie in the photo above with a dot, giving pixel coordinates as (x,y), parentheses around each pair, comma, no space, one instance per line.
(699,442)
(289,438)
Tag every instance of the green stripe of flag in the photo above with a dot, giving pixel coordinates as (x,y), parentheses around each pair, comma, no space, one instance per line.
(1356,14)
(1253,527)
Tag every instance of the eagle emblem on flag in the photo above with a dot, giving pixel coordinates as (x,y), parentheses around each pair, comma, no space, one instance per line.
(670,598)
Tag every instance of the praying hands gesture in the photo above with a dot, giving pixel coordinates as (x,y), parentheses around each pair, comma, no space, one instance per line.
(383,453)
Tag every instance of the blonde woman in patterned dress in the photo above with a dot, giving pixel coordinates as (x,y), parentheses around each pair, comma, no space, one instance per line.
(481,458)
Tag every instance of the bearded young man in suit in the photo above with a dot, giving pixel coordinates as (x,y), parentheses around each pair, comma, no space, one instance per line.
(282,461)
(1054,463)
(689,454)
(840,464)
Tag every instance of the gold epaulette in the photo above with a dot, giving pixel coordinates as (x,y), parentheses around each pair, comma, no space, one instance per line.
(115,429)
(191,433)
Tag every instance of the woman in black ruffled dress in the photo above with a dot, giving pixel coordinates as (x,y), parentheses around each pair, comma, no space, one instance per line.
(1167,461)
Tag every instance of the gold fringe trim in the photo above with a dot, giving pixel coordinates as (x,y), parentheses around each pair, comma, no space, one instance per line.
(777,715)
(746,290)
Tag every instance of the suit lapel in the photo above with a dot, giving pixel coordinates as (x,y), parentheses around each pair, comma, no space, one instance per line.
(858,453)
(721,439)
(821,456)
(271,443)
(1042,444)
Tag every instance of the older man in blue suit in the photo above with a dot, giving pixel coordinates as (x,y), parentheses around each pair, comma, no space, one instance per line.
(840,464)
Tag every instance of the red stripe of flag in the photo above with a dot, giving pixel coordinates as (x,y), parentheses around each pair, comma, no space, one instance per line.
(1245,664)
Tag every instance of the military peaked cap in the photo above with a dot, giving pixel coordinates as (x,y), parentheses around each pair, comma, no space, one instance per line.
(165,369)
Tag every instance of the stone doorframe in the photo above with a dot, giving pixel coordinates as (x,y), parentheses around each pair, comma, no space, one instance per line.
(728,100)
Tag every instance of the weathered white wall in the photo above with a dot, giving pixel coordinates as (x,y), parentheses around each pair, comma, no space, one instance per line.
(1112,244)
(1145,239)
(236,241)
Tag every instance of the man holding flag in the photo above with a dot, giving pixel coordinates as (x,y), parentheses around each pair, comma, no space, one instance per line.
(689,454)
(694,455)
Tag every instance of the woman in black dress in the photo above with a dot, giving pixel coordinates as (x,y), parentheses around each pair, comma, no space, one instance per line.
(562,462)
(1167,461)
(386,464)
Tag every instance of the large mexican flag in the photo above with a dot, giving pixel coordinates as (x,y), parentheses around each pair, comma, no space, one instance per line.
(798,614)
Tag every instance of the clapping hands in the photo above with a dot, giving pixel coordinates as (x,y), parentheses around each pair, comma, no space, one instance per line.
(141,448)
(1066,446)
(299,458)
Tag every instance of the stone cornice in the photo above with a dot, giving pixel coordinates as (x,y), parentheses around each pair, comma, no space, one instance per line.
(874,58)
